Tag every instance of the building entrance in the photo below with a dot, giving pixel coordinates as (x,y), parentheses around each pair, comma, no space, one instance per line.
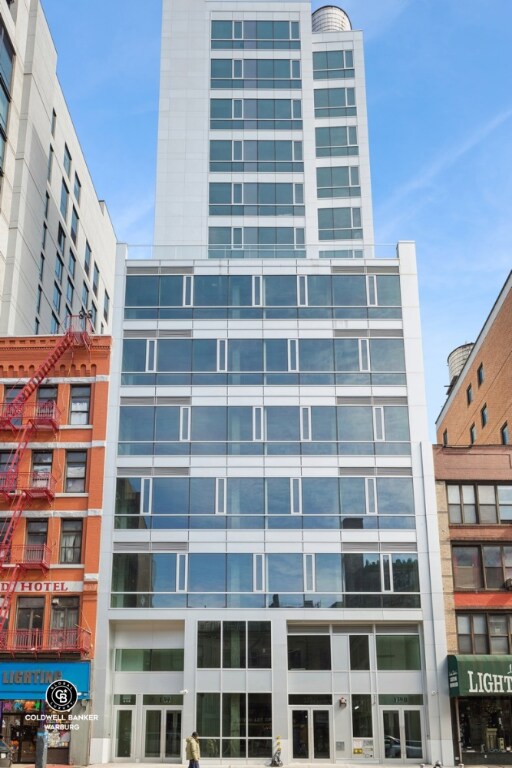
(21,735)
(161,734)
(311,734)
(402,733)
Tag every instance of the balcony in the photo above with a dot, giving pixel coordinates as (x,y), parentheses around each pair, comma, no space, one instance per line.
(30,556)
(11,416)
(35,485)
(8,482)
(34,642)
(43,415)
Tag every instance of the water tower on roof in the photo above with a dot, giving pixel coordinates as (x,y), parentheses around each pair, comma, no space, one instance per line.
(330,18)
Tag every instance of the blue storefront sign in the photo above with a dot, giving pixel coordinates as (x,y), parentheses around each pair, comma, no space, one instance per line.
(30,679)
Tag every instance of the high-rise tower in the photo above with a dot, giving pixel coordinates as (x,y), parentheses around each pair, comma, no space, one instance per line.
(270,552)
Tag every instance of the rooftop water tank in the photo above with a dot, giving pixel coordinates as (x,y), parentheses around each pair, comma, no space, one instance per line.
(330,18)
(457,359)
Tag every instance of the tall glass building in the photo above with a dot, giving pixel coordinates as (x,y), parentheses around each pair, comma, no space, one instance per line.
(270,557)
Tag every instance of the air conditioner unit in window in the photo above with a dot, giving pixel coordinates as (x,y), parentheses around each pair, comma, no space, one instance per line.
(508,584)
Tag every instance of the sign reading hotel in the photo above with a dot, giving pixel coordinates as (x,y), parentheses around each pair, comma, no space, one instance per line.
(480,675)
(41,587)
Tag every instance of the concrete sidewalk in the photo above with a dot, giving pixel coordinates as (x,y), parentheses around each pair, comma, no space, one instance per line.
(241,763)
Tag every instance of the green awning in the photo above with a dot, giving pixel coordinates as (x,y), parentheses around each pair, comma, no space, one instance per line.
(480,675)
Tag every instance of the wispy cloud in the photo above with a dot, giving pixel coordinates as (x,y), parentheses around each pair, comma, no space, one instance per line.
(422,182)
(374,16)
(135,220)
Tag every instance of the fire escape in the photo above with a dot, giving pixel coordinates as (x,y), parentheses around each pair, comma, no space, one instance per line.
(19,489)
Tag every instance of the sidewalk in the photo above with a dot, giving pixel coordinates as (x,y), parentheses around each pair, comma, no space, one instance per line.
(240,764)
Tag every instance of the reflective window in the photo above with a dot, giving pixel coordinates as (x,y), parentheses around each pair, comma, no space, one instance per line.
(336,141)
(255,73)
(265,114)
(285,573)
(255,34)
(398,652)
(207,572)
(359,652)
(149,660)
(341,181)
(333,65)
(335,102)
(339,224)
(244,644)
(310,652)
(70,550)
(483,633)
(484,504)
(76,462)
(252,155)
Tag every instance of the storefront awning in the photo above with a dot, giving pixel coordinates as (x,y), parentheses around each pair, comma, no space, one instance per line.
(30,679)
(480,675)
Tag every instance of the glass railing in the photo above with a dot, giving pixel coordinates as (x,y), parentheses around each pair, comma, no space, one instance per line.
(287,251)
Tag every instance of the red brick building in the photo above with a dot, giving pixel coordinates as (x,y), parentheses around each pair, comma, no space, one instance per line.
(52,446)
(478,409)
(473,468)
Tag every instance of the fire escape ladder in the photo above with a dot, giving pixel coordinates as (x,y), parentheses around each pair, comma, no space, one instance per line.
(9,526)
(77,335)
(8,596)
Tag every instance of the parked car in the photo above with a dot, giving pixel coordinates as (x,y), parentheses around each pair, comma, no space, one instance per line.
(392,748)
(5,755)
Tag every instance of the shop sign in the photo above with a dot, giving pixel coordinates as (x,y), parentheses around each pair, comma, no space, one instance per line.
(30,680)
(480,675)
(40,587)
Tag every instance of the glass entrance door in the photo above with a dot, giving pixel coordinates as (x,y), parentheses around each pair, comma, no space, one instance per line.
(162,734)
(125,725)
(311,734)
(402,734)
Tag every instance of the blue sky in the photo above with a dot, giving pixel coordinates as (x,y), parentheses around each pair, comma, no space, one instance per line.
(440,120)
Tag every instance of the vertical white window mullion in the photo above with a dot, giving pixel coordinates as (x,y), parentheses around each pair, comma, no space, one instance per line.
(151,355)
(293,355)
(371,496)
(220,496)
(364,355)
(222,354)
(296,495)
(187,290)
(257,298)
(305,423)
(258,423)
(185,422)
(378,423)
(181,572)
(385,561)
(258,573)
(371,287)
(309,573)
(302,290)
(146,495)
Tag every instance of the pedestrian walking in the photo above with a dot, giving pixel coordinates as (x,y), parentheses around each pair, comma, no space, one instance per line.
(193,752)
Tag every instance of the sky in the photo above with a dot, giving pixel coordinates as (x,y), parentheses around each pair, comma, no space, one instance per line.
(440,121)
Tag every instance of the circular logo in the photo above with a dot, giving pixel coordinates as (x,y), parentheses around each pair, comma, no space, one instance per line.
(61,695)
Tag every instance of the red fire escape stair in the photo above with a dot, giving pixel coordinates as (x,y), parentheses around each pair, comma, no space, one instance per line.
(77,335)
